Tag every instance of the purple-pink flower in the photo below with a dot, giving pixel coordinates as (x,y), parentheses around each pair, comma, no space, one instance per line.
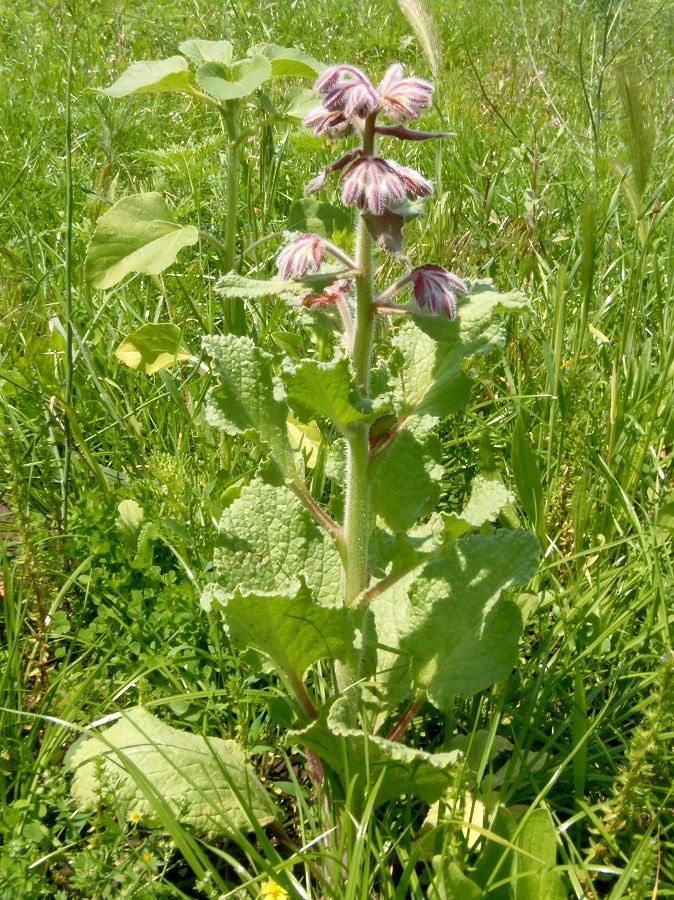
(348,90)
(372,182)
(304,253)
(404,98)
(435,287)
(326,121)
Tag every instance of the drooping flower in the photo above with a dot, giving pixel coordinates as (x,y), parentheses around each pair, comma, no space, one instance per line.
(348,90)
(332,294)
(404,98)
(435,287)
(370,182)
(415,184)
(326,121)
(304,253)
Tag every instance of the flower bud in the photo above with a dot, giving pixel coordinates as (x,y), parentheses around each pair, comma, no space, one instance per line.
(304,253)
(435,287)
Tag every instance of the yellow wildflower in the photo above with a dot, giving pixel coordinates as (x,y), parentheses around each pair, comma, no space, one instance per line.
(272,891)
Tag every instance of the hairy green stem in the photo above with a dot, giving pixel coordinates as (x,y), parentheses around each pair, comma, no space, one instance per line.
(233,307)
(357,514)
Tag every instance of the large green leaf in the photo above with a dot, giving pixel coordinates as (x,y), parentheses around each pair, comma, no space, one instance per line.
(268,540)
(462,634)
(247,399)
(153,347)
(430,354)
(153,76)
(288,62)
(137,234)
(372,760)
(290,628)
(488,496)
(407,476)
(233,285)
(327,390)
(158,771)
(207,51)
(233,82)
(318,217)
(536,879)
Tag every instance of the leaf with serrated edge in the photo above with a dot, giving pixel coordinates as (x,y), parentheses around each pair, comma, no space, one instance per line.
(247,399)
(152,76)
(462,635)
(137,234)
(153,347)
(269,539)
(290,628)
(406,770)
(326,390)
(205,782)
(407,476)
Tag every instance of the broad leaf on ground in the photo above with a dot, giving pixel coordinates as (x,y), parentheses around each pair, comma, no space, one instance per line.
(535,879)
(159,771)
(137,234)
(268,541)
(153,347)
(152,76)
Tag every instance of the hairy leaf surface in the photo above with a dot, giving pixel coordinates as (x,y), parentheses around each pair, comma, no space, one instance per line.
(158,770)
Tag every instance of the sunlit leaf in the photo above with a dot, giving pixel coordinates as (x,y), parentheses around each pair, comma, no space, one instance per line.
(137,234)
(151,767)
(289,62)
(207,51)
(153,347)
(236,81)
(152,76)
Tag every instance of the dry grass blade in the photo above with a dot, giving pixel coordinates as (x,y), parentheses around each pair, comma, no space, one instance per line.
(426,30)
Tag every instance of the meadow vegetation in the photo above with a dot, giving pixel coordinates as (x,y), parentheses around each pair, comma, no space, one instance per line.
(556,181)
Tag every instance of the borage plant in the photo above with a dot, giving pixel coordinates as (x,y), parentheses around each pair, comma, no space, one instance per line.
(361,597)
(406,604)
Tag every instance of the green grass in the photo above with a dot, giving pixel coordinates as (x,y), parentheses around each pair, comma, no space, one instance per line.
(558,181)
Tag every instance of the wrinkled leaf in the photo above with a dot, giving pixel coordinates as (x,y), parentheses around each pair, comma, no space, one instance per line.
(153,768)
(488,496)
(429,375)
(326,390)
(247,399)
(137,234)
(462,634)
(407,476)
(152,76)
(290,628)
(402,769)
(268,540)
(153,347)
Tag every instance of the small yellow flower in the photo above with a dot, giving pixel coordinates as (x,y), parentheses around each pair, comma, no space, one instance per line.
(135,816)
(147,857)
(272,891)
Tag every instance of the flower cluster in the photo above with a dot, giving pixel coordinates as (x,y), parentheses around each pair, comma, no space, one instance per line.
(349,94)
